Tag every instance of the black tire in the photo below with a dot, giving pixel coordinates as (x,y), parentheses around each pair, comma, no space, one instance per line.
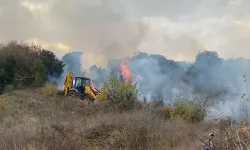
(73,94)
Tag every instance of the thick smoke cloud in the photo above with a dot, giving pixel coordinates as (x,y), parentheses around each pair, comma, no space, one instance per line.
(72,63)
(160,77)
(105,30)
(218,81)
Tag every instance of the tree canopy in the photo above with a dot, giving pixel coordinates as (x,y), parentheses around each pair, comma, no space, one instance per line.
(27,65)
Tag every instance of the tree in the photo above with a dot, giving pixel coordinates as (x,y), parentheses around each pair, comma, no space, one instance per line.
(7,71)
(26,65)
(53,66)
(39,73)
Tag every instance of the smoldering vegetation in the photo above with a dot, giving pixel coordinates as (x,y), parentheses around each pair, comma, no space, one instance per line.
(220,83)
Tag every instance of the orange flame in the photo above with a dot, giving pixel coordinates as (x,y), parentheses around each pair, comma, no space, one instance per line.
(126,73)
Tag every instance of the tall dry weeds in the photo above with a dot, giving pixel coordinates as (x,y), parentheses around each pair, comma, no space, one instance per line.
(32,120)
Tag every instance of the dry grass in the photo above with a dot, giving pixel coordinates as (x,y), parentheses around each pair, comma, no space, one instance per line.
(30,120)
(50,89)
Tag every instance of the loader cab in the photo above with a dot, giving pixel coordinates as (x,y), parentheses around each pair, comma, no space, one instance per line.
(79,83)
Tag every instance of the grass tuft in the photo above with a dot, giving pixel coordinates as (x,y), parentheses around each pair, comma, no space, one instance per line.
(50,89)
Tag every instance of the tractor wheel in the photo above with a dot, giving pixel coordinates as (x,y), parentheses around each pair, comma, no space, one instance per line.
(73,94)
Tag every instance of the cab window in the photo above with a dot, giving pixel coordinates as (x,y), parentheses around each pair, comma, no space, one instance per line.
(78,82)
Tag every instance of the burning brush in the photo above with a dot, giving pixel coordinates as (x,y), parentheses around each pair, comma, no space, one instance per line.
(125,72)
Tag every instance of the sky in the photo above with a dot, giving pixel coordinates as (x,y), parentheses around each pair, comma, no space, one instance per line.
(107,29)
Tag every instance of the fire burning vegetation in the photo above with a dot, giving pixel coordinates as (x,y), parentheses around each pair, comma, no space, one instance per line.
(125,72)
(216,81)
(144,99)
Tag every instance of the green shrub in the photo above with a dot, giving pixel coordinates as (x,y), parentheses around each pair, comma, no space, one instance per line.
(50,90)
(27,65)
(39,73)
(185,109)
(104,94)
(9,88)
(120,94)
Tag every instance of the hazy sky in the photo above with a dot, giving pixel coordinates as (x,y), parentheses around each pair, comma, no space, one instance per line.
(104,29)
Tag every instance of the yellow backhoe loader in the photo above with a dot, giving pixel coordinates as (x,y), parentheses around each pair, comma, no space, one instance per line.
(80,87)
